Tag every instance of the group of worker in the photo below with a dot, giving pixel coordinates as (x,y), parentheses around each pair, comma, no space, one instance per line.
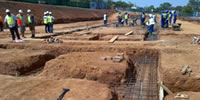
(48,21)
(18,21)
(166,18)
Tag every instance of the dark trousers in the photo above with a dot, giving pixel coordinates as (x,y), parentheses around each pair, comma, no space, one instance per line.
(105,22)
(126,21)
(47,28)
(50,27)
(1,26)
(13,31)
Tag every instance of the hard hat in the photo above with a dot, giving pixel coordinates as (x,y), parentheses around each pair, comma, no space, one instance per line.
(50,12)
(28,10)
(45,13)
(166,11)
(20,11)
(174,11)
(7,10)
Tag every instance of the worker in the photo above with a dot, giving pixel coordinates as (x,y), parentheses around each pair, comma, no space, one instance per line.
(134,21)
(21,22)
(175,17)
(31,23)
(50,22)
(150,24)
(1,24)
(142,18)
(170,17)
(163,19)
(167,19)
(105,18)
(11,21)
(119,18)
(45,20)
(126,17)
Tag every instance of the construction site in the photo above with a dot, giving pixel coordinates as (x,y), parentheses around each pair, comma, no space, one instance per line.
(94,61)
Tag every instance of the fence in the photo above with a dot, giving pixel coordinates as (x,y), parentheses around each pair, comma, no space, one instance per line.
(59,2)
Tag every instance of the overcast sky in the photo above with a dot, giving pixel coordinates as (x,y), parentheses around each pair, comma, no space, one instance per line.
(157,3)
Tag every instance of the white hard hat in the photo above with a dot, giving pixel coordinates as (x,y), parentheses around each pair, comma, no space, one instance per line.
(20,11)
(45,13)
(28,10)
(50,12)
(7,10)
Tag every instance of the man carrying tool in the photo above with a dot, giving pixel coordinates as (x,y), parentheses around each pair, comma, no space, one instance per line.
(50,22)
(142,18)
(21,22)
(45,20)
(1,24)
(105,18)
(11,21)
(31,23)
(126,17)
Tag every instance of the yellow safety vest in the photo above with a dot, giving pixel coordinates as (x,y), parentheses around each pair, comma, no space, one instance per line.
(50,19)
(10,20)
(126,16)
(120,15)
(143,16)
(29,19)
(45,20)
(164,15)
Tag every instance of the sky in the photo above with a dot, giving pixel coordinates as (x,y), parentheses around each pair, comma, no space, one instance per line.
(156,3)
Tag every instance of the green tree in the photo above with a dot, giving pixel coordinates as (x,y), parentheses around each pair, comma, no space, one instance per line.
(187,9)
(165,6)
(195,4)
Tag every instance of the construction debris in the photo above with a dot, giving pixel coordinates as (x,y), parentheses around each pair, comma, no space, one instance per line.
(186,69)
(195,40)
(119,58)
(53,40)
(181,96)
(113,39)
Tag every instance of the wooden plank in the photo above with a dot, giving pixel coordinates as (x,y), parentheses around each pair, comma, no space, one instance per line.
(83,33)
(113,39)
(184,69)
(161,93)
(128,33)
(166,89)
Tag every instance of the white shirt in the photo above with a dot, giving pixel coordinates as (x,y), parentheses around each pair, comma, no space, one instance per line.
(151,21)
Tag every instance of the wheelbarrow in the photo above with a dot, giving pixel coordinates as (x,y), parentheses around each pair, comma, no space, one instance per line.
(176,27)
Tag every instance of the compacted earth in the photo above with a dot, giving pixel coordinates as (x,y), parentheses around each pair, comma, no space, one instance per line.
(85,62)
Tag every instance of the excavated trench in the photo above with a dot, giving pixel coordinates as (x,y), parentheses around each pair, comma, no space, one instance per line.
(141,78)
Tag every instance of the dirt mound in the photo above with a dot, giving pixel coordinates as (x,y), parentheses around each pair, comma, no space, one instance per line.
(192,96)
(42,89)
(62,14)
(86,65)
(171,70)
(18,61)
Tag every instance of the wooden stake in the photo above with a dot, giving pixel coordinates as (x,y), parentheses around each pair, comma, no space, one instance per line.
(113,39)
(128,33)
